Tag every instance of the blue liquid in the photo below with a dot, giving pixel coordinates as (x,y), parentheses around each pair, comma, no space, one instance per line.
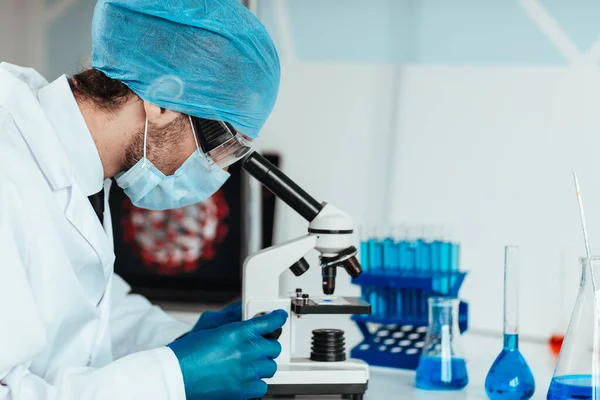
(413,305)
(510,377)
(364,256)
(572,387)
(434,373)
(406,255)
(373,301)
(424,305)
(442,252)
(409,309)
(390,297)
(436,260)
(399,304)
(454,256)
(375,252)
(390,254)
(422,256)
(436,264)
(445,256)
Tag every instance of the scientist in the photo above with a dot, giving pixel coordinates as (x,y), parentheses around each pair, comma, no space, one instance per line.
(69,330)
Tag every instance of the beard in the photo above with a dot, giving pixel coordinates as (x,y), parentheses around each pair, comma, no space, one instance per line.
(163,145)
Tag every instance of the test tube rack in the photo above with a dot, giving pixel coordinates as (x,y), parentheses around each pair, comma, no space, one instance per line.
(394,333)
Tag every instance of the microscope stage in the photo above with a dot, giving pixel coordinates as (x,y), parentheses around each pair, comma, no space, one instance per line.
(330,305)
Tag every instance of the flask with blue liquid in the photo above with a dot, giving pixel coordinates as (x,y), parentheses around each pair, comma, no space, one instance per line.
(442,365)
(577,373)
(510,377)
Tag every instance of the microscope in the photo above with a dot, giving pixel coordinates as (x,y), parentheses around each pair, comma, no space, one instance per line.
(327,371)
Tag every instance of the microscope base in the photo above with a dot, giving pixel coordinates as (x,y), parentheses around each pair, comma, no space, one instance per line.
(305,377)
(353,392)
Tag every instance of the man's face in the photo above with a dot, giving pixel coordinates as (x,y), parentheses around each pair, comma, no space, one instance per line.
(168,146)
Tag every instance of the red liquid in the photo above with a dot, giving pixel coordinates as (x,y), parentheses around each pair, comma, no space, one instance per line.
(555,343)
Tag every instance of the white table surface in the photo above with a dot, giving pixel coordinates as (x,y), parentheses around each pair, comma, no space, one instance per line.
(480,353)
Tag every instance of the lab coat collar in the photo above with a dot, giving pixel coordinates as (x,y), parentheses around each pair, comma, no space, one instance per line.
(17,96)
(61,109)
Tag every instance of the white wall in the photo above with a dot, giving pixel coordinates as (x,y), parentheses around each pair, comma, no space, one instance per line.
(484,136)
(51,36)
(490,151)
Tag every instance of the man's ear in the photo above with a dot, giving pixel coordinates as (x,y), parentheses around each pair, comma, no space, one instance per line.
(159,116)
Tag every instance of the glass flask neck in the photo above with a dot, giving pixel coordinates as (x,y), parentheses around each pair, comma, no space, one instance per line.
(511,341)
(511,290)
(443,335)
(587,267)
(443,315)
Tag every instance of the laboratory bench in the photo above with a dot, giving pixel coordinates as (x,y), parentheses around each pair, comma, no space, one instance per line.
(481,351)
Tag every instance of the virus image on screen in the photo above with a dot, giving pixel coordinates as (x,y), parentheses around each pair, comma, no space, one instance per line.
(175,241)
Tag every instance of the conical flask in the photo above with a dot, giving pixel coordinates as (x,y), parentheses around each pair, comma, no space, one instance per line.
(577,374)
(442,366)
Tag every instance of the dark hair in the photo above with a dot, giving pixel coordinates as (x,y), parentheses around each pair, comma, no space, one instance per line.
(105,93)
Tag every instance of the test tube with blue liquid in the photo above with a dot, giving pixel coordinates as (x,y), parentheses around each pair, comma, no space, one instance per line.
(408,250)
(510,377)
(369,257)
(390,250)
(364,248)
(375,250)
(436,245)
(424,249)
(398,234)
(443,248)
(376,263)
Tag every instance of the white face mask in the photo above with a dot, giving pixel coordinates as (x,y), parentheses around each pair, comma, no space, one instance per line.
(193,182)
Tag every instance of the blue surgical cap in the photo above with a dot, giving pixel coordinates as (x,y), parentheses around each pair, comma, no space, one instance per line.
(211,59)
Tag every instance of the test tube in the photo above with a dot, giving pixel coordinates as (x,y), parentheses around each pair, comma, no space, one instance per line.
(400,304)
(408,250)
(364,248)
(424,249)
(445,262)
(395,299)
(454,256)
(409,305)
(382,301)
(370,296)
(375,250)
(436,250)
(390,250)
(391,303)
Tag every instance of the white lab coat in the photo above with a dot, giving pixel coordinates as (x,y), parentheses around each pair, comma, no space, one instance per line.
(68,328)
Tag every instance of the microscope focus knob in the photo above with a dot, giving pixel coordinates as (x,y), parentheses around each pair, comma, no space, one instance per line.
(273,335)
(300,267)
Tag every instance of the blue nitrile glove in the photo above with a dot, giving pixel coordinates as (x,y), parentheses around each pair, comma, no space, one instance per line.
(215,319)
(229,362)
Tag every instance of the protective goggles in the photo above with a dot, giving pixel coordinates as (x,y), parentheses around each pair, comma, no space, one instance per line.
(220,142)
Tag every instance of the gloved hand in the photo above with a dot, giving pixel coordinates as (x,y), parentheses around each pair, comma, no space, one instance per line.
(229,362)
(215,319)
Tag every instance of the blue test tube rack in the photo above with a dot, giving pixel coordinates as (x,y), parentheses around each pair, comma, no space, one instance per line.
(398,291)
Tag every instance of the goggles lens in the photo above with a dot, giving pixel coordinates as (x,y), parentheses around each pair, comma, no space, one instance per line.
(220,142)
